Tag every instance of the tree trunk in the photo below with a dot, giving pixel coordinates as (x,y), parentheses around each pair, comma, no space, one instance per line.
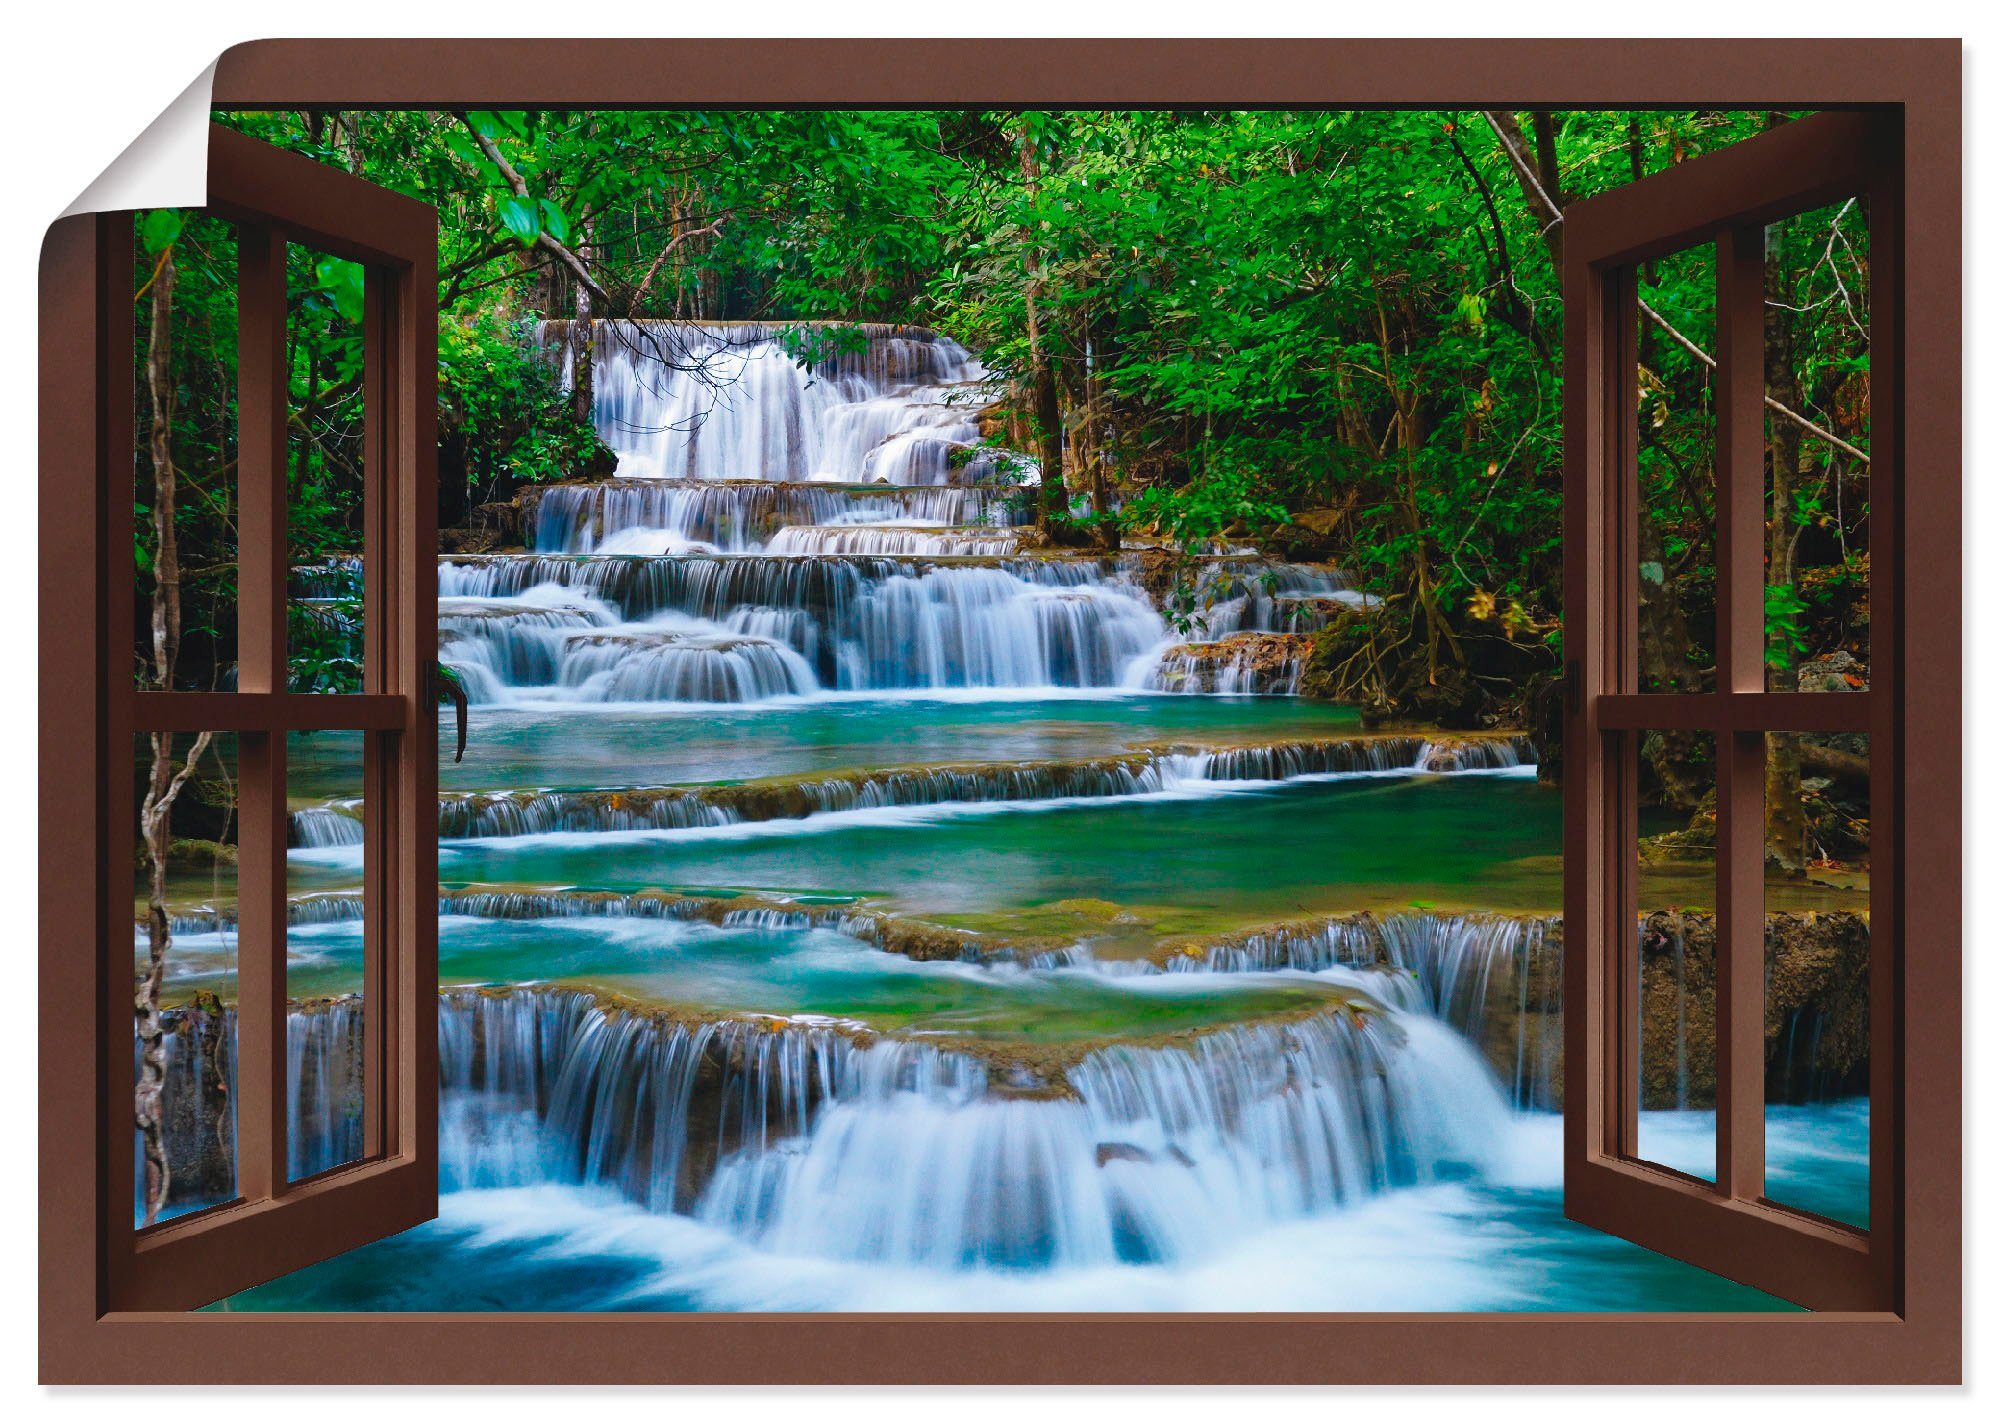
(1543,199)
(1045,409)
(163,779)
(1098,419)
(1785,846)
(582,359)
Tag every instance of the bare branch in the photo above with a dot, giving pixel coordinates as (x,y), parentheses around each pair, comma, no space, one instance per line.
(676,240)
(1785,411)
(1553,211)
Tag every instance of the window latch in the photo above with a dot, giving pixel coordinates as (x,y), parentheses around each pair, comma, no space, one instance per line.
(446,686)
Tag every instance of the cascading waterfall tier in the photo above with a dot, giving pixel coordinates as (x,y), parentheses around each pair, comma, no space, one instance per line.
(812,1139)
(1141,773)
(1242,664)
(847,623)
(817,500)
(323,1067)
(544,1085)
(482,814)
(817,1138)
(1494,978)
(854,403)
(894,540)
(660,516)
(1154,1154)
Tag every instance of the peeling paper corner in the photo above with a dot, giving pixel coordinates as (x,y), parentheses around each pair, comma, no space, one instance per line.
(166,166)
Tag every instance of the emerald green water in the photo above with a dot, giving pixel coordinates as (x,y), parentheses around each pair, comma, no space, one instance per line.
(1175,863)
(794,971)
(685,745)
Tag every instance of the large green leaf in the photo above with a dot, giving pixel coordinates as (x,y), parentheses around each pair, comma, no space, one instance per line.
(521,217)
(159,228)
(345,284)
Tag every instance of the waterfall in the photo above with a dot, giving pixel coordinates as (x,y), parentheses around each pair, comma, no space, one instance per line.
(1243,664)
(330,908)
(329,580)
(1495,979)
(809,1137)
(646,1103)
(720,629)
(1237,596)
(323,1057)
(866,404)
(894,540)
(320,826)
(680,660)
(323,1099)
(738,516)
(1162,1154)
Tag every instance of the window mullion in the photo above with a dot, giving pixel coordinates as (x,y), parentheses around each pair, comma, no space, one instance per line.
(379,761)
(1621,1052)
(263,543)
(1739,649)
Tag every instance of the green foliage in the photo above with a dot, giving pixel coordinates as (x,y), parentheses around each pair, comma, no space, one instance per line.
(500,401)
(1785,638)
(1338,333)
(1219,497)
(202,399)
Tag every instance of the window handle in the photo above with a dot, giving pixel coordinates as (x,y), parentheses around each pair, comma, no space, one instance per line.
(447,687)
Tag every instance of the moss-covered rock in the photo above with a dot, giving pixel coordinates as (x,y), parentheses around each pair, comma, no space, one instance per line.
(1247,662)
(1815,1017)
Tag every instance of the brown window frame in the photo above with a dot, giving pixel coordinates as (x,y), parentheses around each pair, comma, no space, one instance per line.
(274,199)
(1916,1338)
(1725,198)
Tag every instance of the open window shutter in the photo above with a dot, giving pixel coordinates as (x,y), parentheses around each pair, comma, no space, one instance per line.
(1729,1224)
(283,1216)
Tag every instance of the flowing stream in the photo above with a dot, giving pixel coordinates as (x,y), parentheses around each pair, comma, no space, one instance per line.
(849,904)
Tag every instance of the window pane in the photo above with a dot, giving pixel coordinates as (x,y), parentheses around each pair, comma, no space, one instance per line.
(1816,947)
(1816,481)
(184,968)
(1676,470)
(323,970)
(1676,952)
(184,469)
(325,412)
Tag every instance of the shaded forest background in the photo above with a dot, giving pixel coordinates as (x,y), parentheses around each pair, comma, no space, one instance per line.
(1328,335)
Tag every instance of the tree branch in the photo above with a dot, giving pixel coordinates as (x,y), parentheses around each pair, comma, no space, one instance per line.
(1820,431)
(676,240)
(1532,185)
(542,238)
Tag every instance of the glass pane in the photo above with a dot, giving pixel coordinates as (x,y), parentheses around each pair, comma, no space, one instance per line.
(1676,951)
(1816,947)
(184,969)
(323,971)
(1676,460)
(1816,480)
(325,514)
(184,468)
